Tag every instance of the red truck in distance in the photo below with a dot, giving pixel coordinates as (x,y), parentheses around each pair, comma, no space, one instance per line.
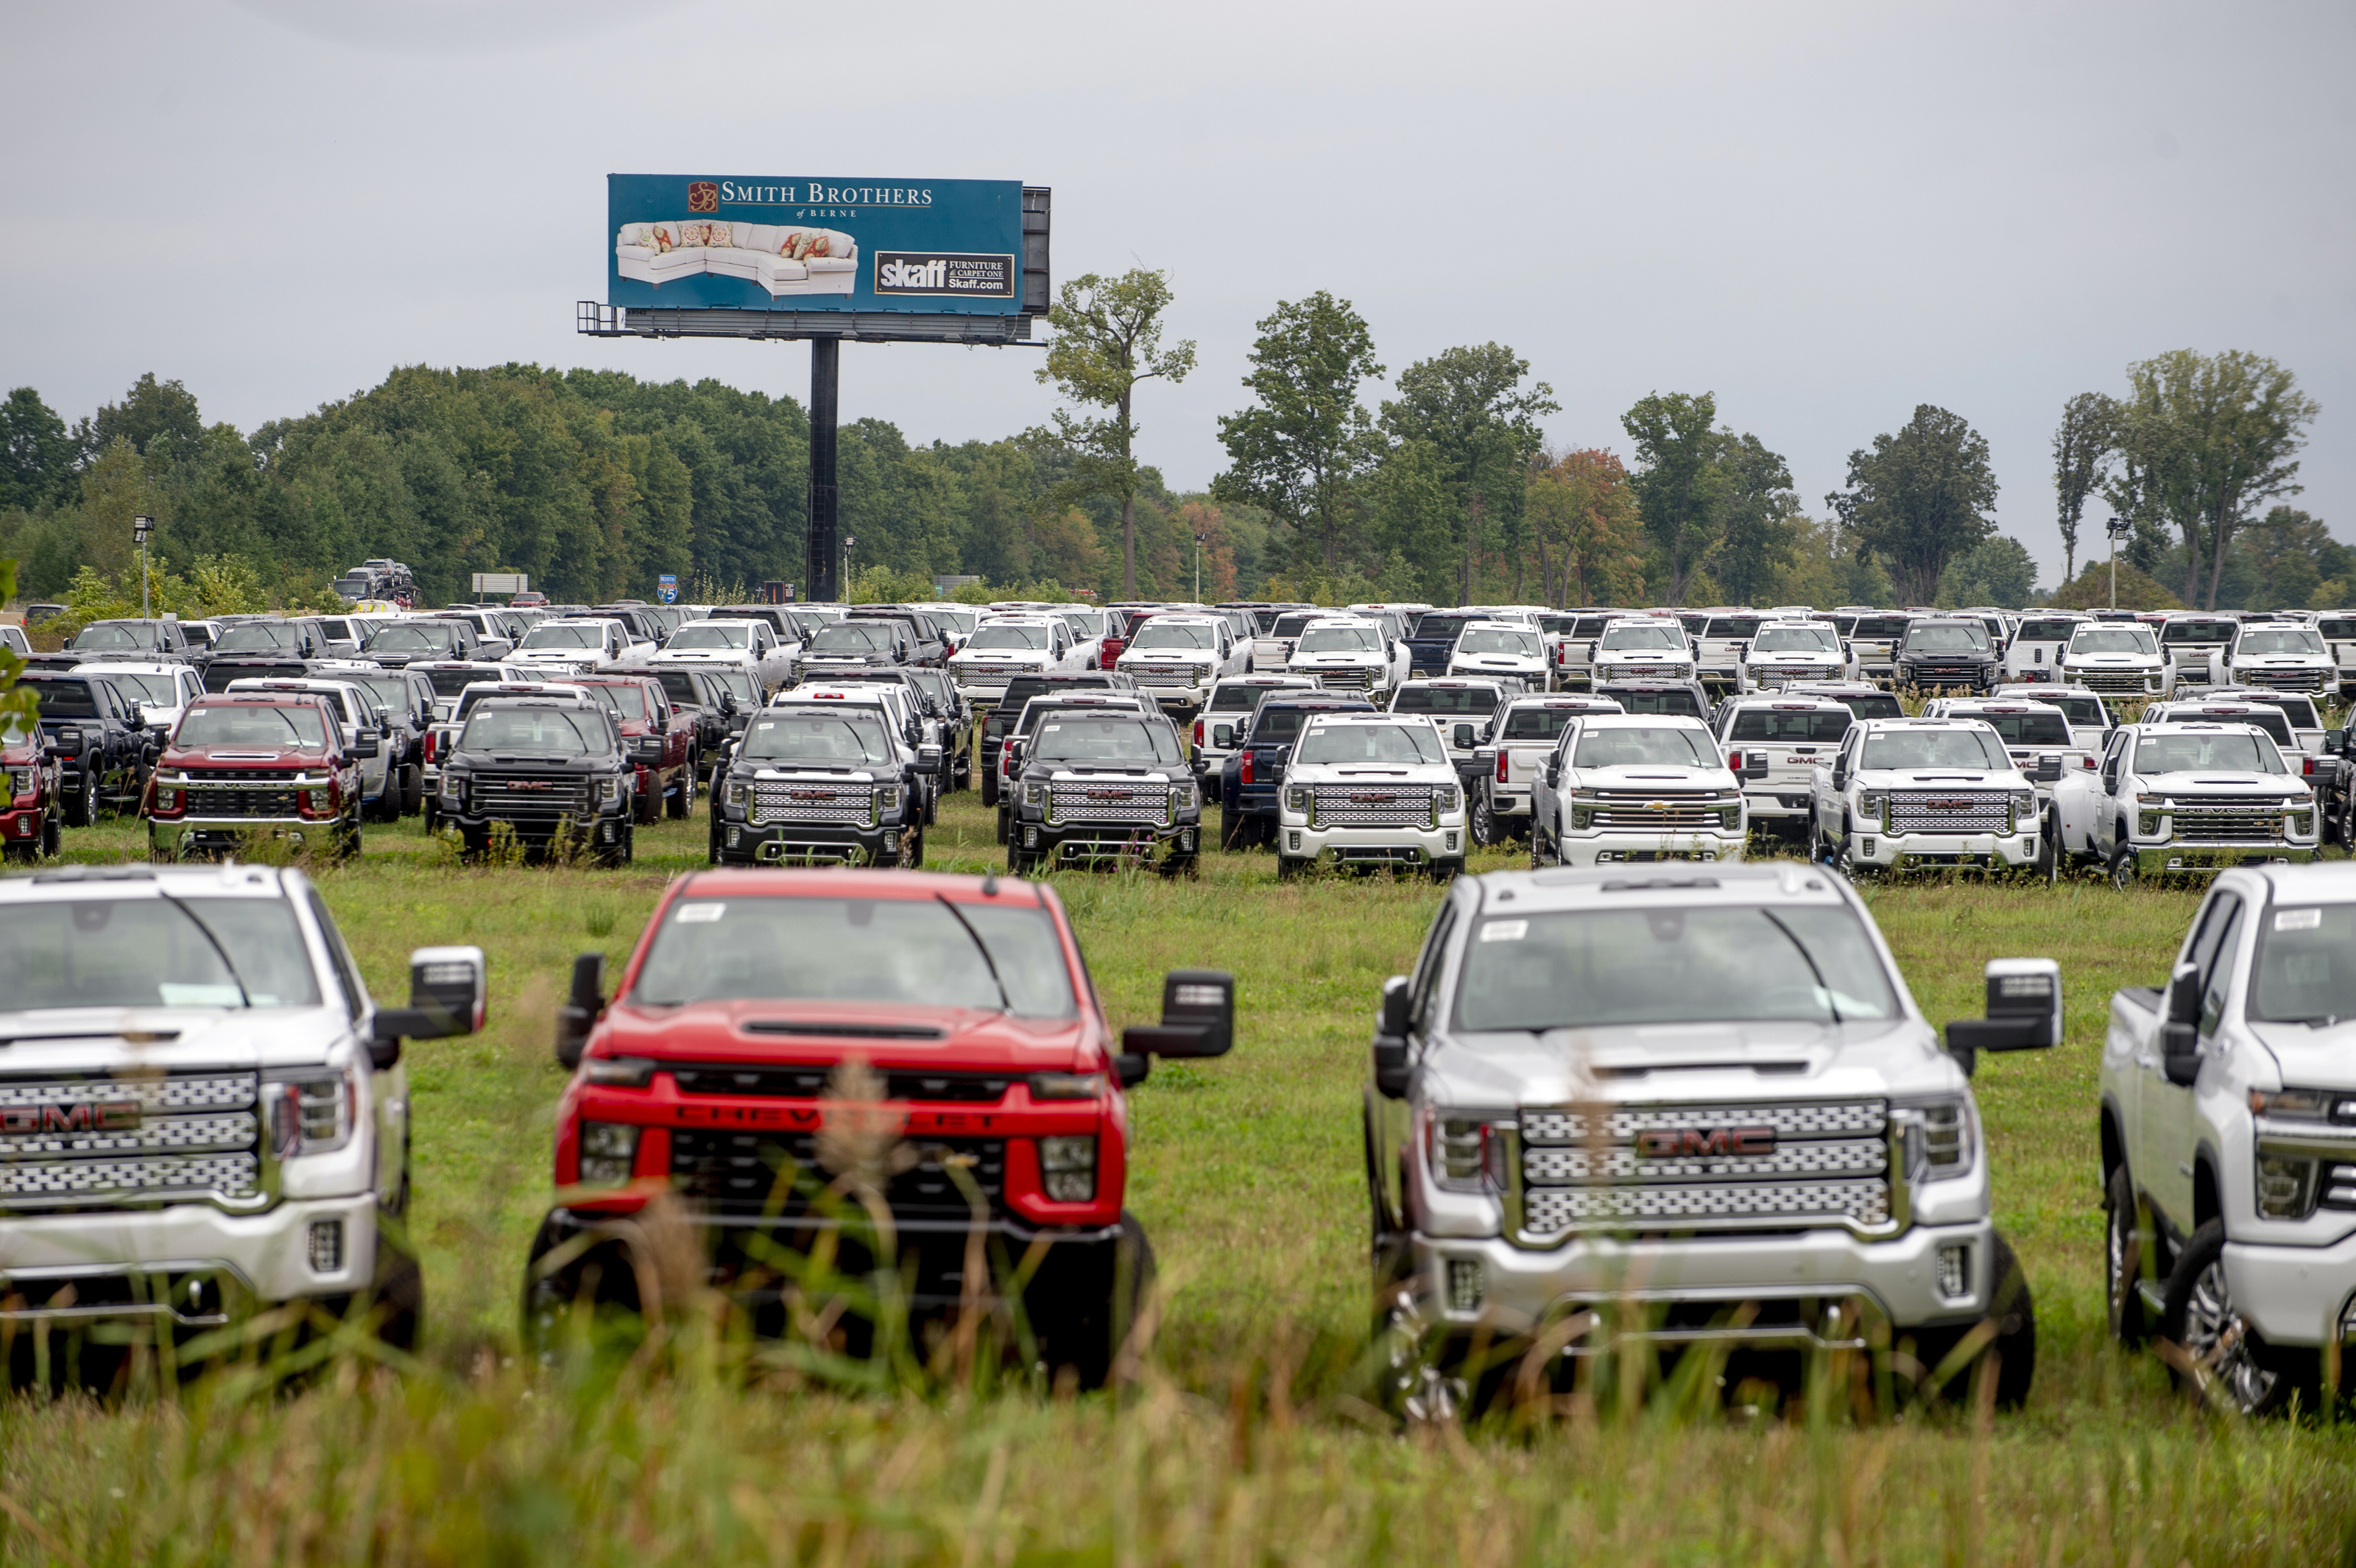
(31,824)
(718,1071)
(269,762)
(661,747)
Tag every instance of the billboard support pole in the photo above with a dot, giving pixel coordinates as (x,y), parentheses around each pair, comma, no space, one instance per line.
(826,361)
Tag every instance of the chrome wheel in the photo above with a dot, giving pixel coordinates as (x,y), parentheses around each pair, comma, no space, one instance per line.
(2219,1342)
(1484,825)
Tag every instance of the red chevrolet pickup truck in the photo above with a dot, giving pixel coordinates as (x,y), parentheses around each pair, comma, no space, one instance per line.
(902,1071)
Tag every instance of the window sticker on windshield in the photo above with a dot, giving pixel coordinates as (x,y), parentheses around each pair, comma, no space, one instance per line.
(699,914)
(2297,919)
(1504,931)
(200,996)
(765,724)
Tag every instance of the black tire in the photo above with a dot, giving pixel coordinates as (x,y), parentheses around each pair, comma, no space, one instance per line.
(912,849)
(1177,866)
(2229,1359)
(1446,872)
(990,786)
(2347,826)
(712,844)
(81,808)
(2122,867)
(1288,867)
(399,1305)
(53,836)
(1004,824)
(1085,1333)
(413,789)
(344,838)
(679,805)
(2012,1351)
(647,809)
(2123,1243)
(1231,830)
(2049,848)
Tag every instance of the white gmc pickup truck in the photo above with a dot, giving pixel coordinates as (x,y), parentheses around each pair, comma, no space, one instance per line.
(203,1113)
(2229,1141)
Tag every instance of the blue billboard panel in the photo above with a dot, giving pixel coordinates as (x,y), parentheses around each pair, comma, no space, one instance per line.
(697,241)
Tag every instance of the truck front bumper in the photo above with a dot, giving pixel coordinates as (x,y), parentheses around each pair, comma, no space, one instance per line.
(771,843)
(22,826)
(2295,1296)
(1888,851)
(1464,1282)
(1645,848)
(2198,859)
(1374,846)
(171,835)
(1769,803)
(603,827)
(188,1266)
(1137,843)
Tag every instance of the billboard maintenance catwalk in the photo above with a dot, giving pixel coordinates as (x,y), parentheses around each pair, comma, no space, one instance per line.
(831,261)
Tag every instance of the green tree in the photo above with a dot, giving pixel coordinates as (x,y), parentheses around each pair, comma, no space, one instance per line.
(2204,440)
(1298,452)
(1468,404)
(1582,511)
(1414,516)
(37,456)
(1920,499)
(1998,571)
(156,418)
(1107,338)
(1755,518)
(1678,481)
(2083,444)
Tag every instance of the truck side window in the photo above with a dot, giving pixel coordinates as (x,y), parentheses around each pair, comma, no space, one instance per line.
(1426,1003)
(347,975)
(2213,958)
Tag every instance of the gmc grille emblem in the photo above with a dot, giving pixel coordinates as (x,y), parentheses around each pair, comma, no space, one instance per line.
(1373,797)
(1680,1142)
(813,795)
(1948,804)
(1108,794)
(527,784)
(87,1116)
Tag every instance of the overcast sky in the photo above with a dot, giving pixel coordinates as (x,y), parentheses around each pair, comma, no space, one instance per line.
(1824,214)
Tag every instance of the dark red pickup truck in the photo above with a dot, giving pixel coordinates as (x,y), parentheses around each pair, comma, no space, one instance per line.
(31,806)
(272,762)
(902,1070)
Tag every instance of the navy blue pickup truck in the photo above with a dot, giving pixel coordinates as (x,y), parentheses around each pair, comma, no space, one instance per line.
(1248,781)
(1434,638)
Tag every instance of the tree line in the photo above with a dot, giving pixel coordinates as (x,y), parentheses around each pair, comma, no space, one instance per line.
(596,482)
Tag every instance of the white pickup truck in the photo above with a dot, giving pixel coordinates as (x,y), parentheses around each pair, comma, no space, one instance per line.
(205,1115)
(2034,655)
(2183,799)
(1793,650)
(1177,659)
(554,649)
(1346,653)
(1773,744)
(1527,729)
(1618,1114)
(1625,789)
(2229,1141)
(1635,647)
(2037,735)
(742,643)
(2118,660)
(2280,654)
(1924,792)
(1370,789)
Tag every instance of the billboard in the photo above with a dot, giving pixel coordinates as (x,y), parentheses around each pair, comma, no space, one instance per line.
(703,241)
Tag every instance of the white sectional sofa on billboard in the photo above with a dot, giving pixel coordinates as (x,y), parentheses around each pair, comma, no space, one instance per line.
(783,259)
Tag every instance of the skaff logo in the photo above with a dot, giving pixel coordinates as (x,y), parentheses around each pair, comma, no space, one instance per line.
(703,196)
(1673,1142)
(933,274)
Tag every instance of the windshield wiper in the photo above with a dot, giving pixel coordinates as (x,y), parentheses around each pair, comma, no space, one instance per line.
(1005,1002)
(244,998)
(1810,960)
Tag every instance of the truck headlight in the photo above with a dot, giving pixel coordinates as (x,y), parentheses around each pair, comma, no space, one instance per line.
(2302,823)
(1938,1135)
(736,792)
(1034,795)
(1446,798)
(1730,816)
(1468,1151)
(609,1149)
(20,782)
(609,790)
(1067,1166)
(453,786)
(2292,1104)
(311,1113)
(887,797)
(2285,1188)
(1870,805)
(2148,824)
(1298,798)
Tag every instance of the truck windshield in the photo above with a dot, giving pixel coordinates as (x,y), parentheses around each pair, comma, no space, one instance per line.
(1623,636)
(1125,742)
(1656,699)
(845,638)
(1484,640)
(1161,633)
(1537,723)
(1872,704)
(2113,640)
(2268,718)
(831,738)
(1340,640)
(541,731)
(2046,631)
(1734,627)
(1818,724)
(2306,966)
(255,637)
(2280,642)
(1972,748)
(1953,638)
(1796,640)
(1603,968)
(559,634)
(1236,699)
(2237,751)
(1475,699)
(2029,728)
(889,952)
(153,690)
(454,682)
(1661,745)
(1885,628)
(999,635)
(629,701)
(703,634)
(1348,743)
(2197,631)
(302,729)
(388,691)
(67,699)
(416,639)
(151,953)
(108,637)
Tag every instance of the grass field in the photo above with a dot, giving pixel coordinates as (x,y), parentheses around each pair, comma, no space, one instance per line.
(1249,1437)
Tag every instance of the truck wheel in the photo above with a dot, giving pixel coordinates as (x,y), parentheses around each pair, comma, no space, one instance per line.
(1483,822)
(647,809)
(1088,1334)
(2223,1356)
(990,786)
(82,808)
(1446,872)
(2122,1252)
(400,1307)
(413,789)
(2122,867)
(2048,850)
(1288,867)
(344,838)
(913,850)
(679,805)
(2013,1347)
(1002,825)
(1231,830)
(2346,830)
(53,836)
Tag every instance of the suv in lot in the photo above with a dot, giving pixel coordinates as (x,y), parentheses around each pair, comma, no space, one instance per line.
(1101,787)
(1614,1111)
(2229,1141)
(1924,792)
(1627,788)
(843,648)
(1946,652)
(820,779)
(1370,789)
(2184,799)
(762,1017)
(549,771)
(280,764)
(234,1109)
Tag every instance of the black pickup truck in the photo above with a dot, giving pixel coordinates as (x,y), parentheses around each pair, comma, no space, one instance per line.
(1020,689)
(553,772)
(1104,787)
(398,643)
(821,781)
(1248,780)
(1434,638)
(100,741)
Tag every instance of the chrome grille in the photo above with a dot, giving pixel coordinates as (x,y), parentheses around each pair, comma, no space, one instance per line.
(1344,680)
(1165,675)
(2237,823)
(811,802)
(1829,1164)
(2114,683)
(203,801)
(1790,671)
(1643,672)
(528,796)
(1949,811)
(1141,801)
(1677,817)
(1372,805)
(2286,679)
(69,1142)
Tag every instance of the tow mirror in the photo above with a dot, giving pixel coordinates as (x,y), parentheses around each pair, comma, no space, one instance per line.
(365,746)
(647,748)
(1198,1017)
(1391,1039)
(2184,995)
(1222,736)
(447,996)
(1464,740)
(581,1010)
(133,718)
(928,759)
(2335,743)
(1840,777)
(2024,1011)
(2180,1054)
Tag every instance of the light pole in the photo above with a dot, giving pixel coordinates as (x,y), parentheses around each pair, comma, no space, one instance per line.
(2114,528)
(847,542)
(140,527)
(1198,568)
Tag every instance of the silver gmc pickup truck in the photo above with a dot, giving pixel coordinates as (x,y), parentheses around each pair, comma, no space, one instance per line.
(1666,1109)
